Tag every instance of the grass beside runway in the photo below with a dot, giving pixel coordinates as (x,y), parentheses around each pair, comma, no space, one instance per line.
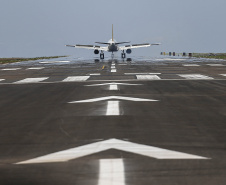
(13,60)
(210,55)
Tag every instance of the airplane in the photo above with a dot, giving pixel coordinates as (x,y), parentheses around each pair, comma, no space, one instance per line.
(113,46)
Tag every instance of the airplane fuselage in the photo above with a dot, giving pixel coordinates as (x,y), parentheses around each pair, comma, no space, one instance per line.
(112,47)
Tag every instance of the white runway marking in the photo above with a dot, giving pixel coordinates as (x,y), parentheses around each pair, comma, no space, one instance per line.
(112,97)
(196,77)
(113,87)
(1,80)
(113,64)
(94,74)
(148,77)
(111,172)
(170,59)
(142,73)
(191,65)
(76,78)
(32,80)
(223,74)
(113,70)
(122,64)
(215,65)
(35,68)
(113,108)
(10,69)
(81,151)
(112,84)
(52,62)
(112,67)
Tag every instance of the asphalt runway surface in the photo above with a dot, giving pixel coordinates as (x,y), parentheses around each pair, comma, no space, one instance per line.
(113,122)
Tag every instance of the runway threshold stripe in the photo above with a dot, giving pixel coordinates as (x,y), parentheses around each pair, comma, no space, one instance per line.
(142,73)
(31,80)
(76,78)
(215,65)
(148,77)
(52,62)
(113,70)
(111,172)
(11,69)
(35,68)
(112,108)
(223,74)
(196,77)
(191,65)
(1,80)
(94,74)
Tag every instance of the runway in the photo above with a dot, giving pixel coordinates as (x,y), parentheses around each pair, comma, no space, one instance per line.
(113,122)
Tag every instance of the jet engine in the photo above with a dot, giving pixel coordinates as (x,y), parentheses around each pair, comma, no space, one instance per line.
(128,51)
(96,51)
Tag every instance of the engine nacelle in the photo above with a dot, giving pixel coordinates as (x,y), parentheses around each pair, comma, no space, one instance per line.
(128,51)
(96,51)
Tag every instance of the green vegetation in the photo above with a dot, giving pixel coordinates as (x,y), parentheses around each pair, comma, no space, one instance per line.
(210,55)
(12,60)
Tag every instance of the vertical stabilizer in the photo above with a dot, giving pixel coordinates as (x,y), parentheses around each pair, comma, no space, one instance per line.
(112,33)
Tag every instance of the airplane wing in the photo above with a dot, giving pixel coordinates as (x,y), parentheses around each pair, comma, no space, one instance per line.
(89,47)
(136,46)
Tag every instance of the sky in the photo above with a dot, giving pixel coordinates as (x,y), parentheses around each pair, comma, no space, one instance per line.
(34,28)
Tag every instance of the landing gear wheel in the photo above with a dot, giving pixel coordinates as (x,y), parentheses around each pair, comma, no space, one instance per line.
(101,56)
(123,55)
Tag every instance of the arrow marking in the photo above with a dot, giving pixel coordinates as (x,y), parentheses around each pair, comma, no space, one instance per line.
(74,153)
(111,172)
(112,97)
(113,87)
(113,108)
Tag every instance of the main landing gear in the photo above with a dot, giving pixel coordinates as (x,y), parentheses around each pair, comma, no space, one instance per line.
(102,55)
(123,54)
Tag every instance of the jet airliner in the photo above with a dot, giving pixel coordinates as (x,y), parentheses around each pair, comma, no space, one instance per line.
(113,46)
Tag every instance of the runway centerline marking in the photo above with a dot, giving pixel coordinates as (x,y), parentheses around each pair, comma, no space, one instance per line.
(148,77)
(113,108)
(76,78)
(10,69)
(195,77)
(31,80)
(112,97)
(111,172)
(126,146)
(113,87)
(113,83)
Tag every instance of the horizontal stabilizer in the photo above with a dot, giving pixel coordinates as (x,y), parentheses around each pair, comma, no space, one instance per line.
(122,42)
(70,45)
(102,43)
